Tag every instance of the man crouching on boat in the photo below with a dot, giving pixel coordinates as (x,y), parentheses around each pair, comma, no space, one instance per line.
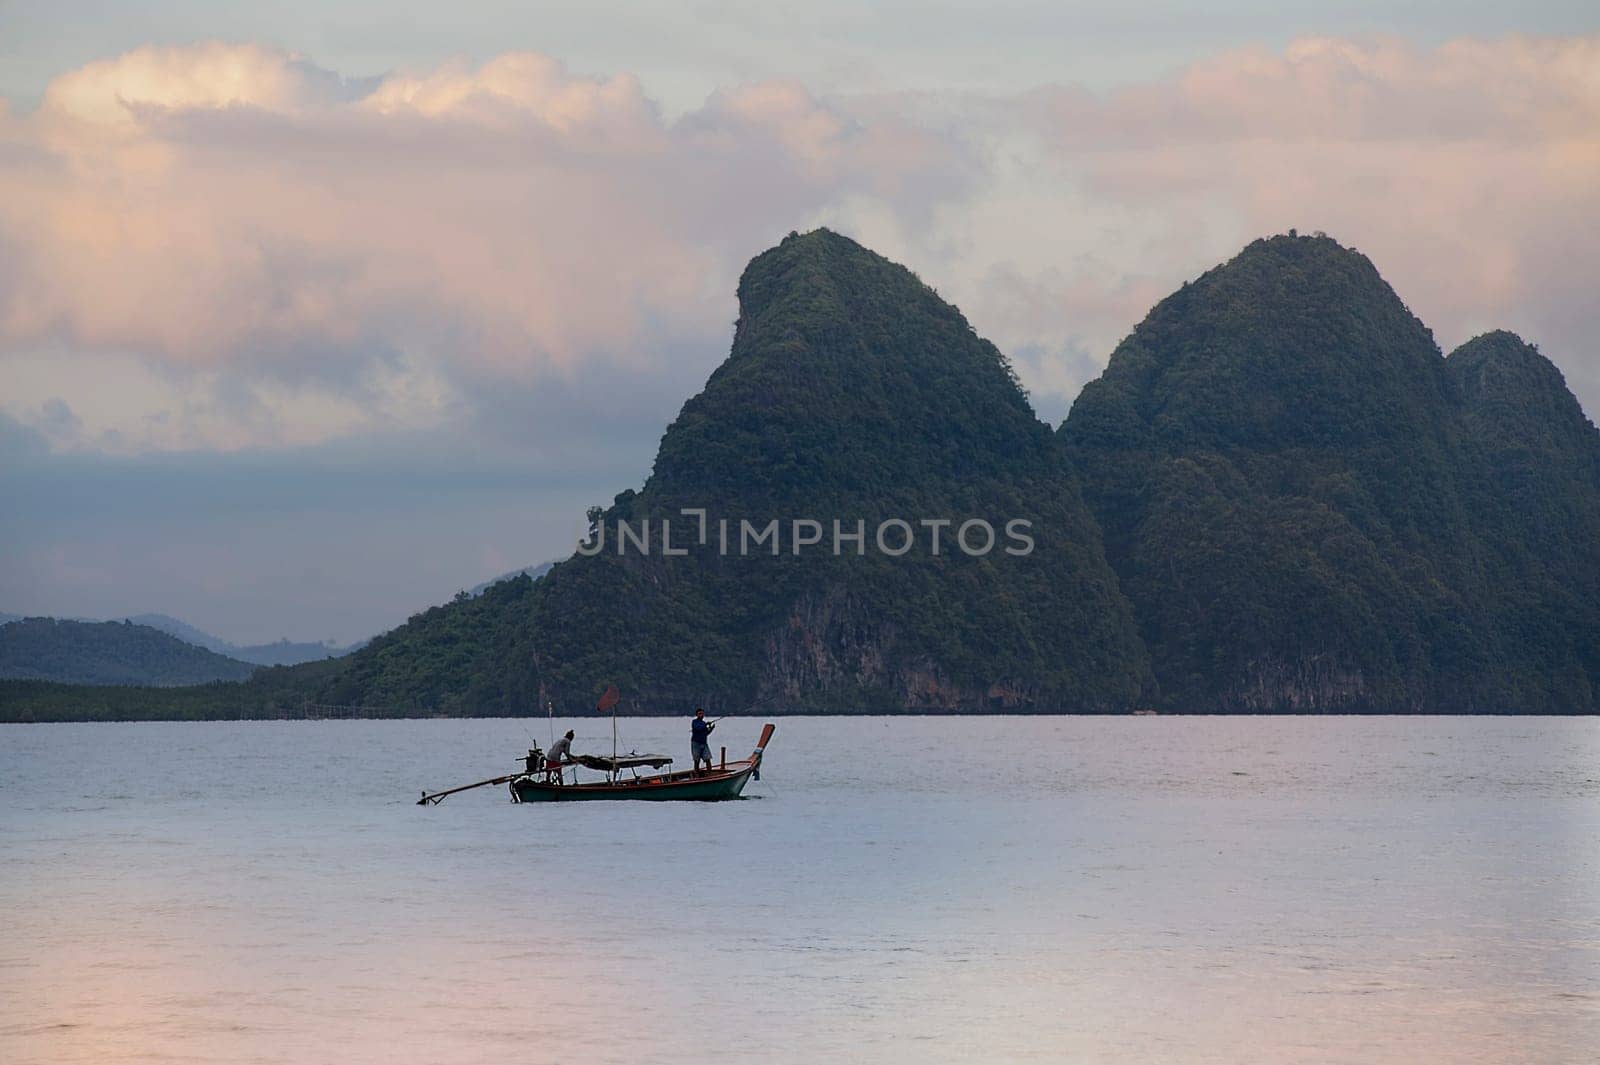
(700,738)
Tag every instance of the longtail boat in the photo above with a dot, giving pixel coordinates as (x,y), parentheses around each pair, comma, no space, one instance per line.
(543,781)
(726,781)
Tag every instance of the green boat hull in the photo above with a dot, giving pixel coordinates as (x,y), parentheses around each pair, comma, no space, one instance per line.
(679,787)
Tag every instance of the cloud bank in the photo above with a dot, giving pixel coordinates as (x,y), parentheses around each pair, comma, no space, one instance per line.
(198,219)
(225,246)
(1469,173)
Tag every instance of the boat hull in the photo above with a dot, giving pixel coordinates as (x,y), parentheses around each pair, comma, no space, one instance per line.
(683,787)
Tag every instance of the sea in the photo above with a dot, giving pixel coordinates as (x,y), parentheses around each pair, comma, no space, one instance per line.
(894,889)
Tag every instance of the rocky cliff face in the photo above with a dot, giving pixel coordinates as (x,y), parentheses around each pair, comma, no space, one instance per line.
(834,651)
(830,643)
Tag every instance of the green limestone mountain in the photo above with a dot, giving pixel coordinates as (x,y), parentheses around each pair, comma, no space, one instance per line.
(1279,497)
(1311,510)
(1536,503)
(854,394)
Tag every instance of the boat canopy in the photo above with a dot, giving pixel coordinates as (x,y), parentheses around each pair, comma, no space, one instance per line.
(626,761)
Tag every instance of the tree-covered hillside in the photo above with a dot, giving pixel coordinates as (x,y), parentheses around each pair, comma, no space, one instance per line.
(109,652)
(1289,480)
(852,392)
(1536,503)
(1279,497)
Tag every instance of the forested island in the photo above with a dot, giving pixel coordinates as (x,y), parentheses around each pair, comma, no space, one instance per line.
(1280,497)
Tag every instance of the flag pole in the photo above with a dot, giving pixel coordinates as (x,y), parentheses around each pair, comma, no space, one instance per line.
(608,701)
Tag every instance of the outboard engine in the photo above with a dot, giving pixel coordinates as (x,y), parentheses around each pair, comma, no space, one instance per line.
(535,760)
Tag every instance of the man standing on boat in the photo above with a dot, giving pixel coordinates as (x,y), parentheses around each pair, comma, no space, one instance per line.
(560,751)
(700,738)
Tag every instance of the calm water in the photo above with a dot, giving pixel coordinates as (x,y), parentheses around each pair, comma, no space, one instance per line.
(899,890)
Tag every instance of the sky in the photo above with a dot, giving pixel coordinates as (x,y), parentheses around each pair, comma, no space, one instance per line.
(312,314)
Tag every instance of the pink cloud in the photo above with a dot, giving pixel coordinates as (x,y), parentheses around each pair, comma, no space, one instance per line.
(1325,88)
(235,213)
(227,202)
(213,75)
(1469,172)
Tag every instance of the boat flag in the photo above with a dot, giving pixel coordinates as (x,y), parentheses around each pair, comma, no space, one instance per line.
(609,699)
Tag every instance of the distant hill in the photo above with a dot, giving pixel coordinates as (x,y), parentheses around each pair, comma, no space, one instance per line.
(282,653)
(108,652)
(181,629)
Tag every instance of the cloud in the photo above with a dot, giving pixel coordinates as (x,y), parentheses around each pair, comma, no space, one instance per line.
(131,88)
(519,86)
(226,246)
(1325,88)
(1468,172)
(244,216)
